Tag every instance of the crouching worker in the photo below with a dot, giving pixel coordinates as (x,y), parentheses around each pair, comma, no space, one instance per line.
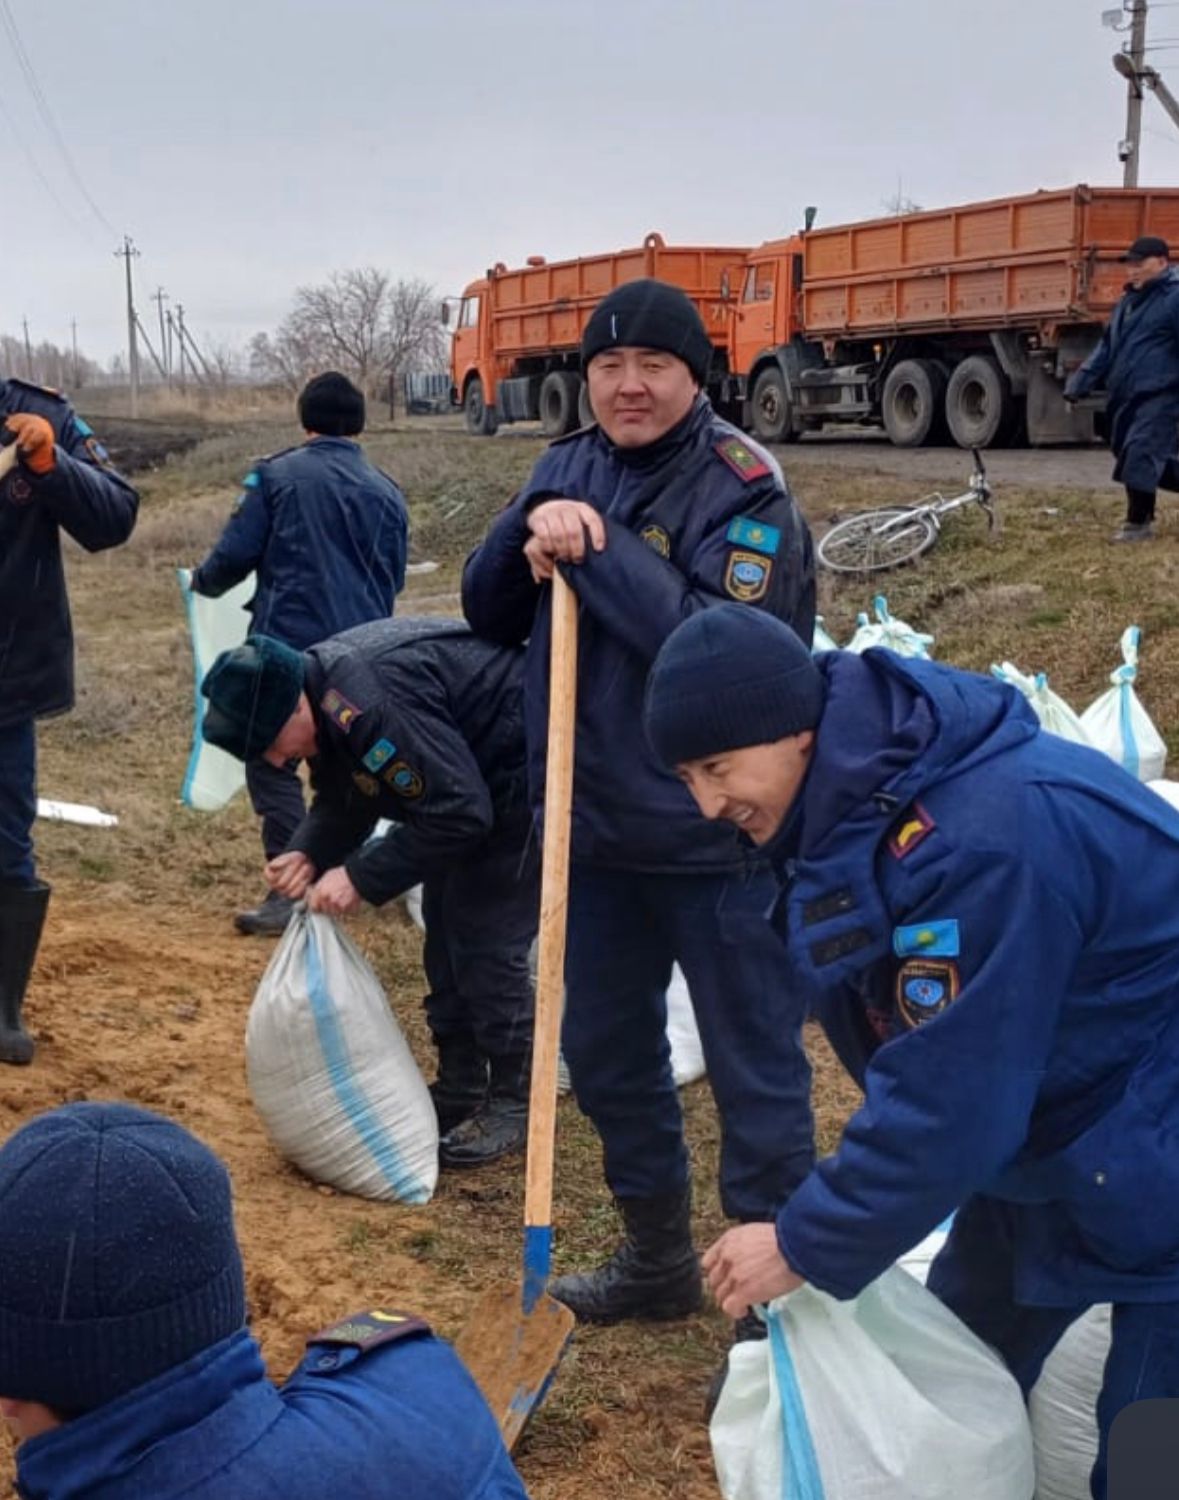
(420,722)
(126,1369)
(956,906)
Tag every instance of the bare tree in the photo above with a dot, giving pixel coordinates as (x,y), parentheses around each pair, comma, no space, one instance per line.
(52,365)
(900,202)
(414,336)
(347,313)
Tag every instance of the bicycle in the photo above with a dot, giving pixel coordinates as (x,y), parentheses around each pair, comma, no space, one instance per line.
(886,538)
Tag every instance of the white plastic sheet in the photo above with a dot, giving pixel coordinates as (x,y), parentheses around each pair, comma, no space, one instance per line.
(74,812)
(895,635)
(1117,723)
(883,1397)
(331,1073)
(1050,708)
(214,625)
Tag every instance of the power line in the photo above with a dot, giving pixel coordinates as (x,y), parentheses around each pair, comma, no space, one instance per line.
(8,21)
(45,182)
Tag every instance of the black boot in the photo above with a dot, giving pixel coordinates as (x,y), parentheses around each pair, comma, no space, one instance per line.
(22,916)
(461,1086)
(500,1127)
(654,1273)
(744,1329)
(268,919)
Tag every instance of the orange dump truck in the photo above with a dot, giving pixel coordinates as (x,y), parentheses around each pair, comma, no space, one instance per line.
(514,355)
(962,322)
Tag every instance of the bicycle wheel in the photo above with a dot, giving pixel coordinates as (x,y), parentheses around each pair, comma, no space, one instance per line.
(877,540)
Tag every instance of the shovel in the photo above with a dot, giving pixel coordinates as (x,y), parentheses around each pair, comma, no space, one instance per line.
(518,1333)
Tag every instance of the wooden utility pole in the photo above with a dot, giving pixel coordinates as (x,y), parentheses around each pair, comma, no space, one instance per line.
(1133,138)
(28,353)
(74,342)
(159,299)
(128,252)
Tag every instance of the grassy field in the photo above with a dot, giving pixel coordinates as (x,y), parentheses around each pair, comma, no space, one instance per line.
(142,987)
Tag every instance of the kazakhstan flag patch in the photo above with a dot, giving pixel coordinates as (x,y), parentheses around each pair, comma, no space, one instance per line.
(927,940)
(744,531)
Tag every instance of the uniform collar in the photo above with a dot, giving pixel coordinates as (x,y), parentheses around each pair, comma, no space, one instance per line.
(160,1438)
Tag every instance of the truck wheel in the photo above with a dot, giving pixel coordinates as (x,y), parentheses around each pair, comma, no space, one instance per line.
(980,408)
(558,403)
(480,418)
(771,414)
(911,406)
(585,412)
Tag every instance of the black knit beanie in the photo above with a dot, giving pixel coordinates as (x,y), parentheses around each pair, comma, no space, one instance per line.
(118,1258)
(728,677)
(331,405)
(649,315)
(252,691)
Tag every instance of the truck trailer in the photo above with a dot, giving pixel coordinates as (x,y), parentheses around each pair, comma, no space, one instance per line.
(959,323)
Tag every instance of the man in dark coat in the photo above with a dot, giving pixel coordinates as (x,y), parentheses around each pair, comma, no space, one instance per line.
(62,481)
(659,511)
(1137,360)
(421,723)
(325,533)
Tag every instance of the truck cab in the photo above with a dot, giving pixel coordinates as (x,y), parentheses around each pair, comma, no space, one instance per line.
(764,324)
(470,360)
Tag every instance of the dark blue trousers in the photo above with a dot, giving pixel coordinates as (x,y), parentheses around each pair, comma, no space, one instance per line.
(974,1276)
(481,917)
(18,803)
(625,931)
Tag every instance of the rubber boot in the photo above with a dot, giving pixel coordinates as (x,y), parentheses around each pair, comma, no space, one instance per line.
(461,1086)
(22,916)
(268,919)
(654,1273)
(744,1329)
(500,1127)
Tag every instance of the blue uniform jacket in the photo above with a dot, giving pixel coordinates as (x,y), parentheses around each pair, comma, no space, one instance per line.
(1137,360)
(403,1421)
(697,518)
(987,920)
(83,496)
(326,534)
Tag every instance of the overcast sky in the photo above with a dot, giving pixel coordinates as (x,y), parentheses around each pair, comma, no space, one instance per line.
(253,146)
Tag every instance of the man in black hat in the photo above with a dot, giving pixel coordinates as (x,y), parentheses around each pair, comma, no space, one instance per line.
(325,533)
(656,512)
(1137,361)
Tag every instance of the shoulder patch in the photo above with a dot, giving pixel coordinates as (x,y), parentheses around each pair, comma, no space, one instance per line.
(742,459)
(657,539)
(365,1330)
(252,480)
(744,531)
(404,780)
(909,830)
(367,785)
(925,988)
(747,576)
(927,940)
(338,709)
(376,757)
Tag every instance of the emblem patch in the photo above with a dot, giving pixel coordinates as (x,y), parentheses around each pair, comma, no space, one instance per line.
(744,531)
(18,490)
(925,988)
(97,452)
(747,576)
(365,783)
(927,940)
(338,709)
(742,459)
(382,751)
(914,825)
(404,780)
(657,539)
(365,1330)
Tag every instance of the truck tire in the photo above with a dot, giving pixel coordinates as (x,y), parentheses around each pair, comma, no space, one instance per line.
(480,417)
(980,408)
(585,412)
(911,404)
(771,414)
(558,403)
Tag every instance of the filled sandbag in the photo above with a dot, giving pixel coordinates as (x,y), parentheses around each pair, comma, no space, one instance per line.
(332,1075)
(214,625)
(1050,708)
(1117,723)
(894,635)
(1063,1408)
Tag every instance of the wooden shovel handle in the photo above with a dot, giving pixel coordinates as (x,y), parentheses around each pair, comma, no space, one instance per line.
(554,903)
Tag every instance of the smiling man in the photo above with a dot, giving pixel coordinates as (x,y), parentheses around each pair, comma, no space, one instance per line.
(659,511)
(956,912)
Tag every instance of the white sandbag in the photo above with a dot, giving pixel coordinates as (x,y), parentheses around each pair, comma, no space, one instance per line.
(821,641)
(214,625)
(1117,723)
(895,635)
(1050,708)
(1167,790)
(74,812)
(331,1073)
(1063,1408)
(883,1397)
(687,1051)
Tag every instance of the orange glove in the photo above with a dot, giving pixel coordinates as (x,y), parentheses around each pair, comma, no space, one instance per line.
(34,441)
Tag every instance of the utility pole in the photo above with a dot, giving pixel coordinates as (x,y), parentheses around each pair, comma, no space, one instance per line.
(128,252)
(159,299)
(28,352)
(74,342)
(1137,53)
(180,343)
